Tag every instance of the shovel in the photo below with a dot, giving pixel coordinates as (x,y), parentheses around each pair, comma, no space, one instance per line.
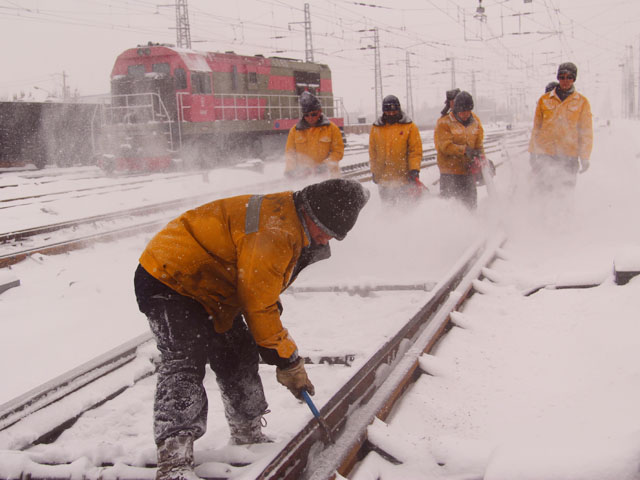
(316,413)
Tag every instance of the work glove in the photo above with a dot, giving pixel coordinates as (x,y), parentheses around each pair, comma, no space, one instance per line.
(471,153)
(413,175)
(584,165)
(295,379)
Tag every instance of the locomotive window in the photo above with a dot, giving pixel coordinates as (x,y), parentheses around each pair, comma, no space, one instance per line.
(181,78)
(200,83)
(206,83)
(136,70)
(161,68)
(234,77)
(307,79)
(253,77)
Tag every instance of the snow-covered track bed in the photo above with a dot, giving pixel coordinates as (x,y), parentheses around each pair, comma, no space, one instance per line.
(115,185)
(59,407)
(63,237)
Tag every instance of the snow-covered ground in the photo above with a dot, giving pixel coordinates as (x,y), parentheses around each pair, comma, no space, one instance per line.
(544,386)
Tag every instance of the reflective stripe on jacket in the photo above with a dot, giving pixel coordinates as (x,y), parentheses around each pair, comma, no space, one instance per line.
(232,264)
(394,149)
(451,139)
(313,146)
(562,128)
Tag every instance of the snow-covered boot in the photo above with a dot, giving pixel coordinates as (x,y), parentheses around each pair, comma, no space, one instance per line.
(175,459)
(247,432)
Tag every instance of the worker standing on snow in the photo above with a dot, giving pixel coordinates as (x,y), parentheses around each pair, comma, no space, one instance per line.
(209,284)
(459,139)
(562,135)
(395,152)
(314,145)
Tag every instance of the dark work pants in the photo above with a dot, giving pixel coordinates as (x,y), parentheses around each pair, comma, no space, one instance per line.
(187,340)
(461,187)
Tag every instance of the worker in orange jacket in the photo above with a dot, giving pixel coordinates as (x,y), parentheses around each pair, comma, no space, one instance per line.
(562,135)
(314,145)
(459,139)
(395,152)
(209,284)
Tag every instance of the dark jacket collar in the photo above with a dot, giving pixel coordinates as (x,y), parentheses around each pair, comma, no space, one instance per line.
(403,119)
(303,125)
(467,123)
(564,94)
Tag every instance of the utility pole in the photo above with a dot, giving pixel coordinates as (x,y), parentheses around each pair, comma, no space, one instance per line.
(183,31)
(630,79)
(453,73)
(64,86)
(409,93)
(473,85)
(308,39)
(377,70)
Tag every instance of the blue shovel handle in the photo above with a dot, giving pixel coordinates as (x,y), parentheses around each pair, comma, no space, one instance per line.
(312,406)
(323,425)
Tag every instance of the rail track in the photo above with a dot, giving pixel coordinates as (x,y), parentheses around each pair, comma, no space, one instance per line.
(40,416)
(102,228)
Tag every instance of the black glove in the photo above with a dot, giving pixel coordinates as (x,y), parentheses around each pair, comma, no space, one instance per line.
(413,175)
(471,153)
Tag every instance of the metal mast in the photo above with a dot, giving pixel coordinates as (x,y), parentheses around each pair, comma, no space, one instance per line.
(378,70)
(183,32)
(409,93)
(453,73)
(308,40)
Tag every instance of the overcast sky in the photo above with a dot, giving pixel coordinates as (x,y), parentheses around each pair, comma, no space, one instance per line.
(509,54)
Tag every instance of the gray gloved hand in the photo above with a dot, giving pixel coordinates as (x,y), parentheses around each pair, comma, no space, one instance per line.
(584,165)
(471,153)
(295,379)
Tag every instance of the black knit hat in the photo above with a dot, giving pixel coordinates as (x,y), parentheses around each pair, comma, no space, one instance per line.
(568,67)
(390,103)
(334,205)
(309,102)
(463,102)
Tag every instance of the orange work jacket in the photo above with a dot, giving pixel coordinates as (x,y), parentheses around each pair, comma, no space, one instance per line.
(562,127)
(394,149)
(210,255)
(451,139)
(310,147)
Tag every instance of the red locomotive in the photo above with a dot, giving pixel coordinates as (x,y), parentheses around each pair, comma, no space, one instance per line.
(203,108)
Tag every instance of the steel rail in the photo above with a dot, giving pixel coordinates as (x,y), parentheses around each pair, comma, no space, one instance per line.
(358,172)
(371,391)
